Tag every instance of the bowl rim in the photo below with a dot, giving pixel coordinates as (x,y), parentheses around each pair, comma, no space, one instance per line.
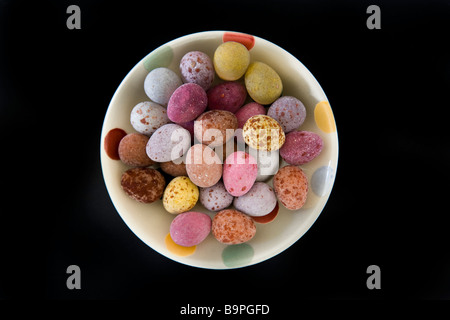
(289,241)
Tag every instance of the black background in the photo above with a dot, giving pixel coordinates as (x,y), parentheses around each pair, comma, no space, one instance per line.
(389,92)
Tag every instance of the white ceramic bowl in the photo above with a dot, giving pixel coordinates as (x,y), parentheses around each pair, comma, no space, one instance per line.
(150,222)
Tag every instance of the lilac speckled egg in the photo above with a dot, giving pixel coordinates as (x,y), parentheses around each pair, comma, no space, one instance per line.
(239,173)
(197,67)
(190,228)
(301,147)
(216,197)
(187,103)
(246,112)
(259,201)
(148,116)
(168,143)
(160,83)
(228,96)
(289,112)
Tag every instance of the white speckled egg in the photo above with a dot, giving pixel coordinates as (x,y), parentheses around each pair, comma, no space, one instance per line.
(146,117)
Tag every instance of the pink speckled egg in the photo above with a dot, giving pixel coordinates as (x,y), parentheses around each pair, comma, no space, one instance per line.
(187,103)
(229,96)
(239,173)
(301,147)
(190,228)
(246,112)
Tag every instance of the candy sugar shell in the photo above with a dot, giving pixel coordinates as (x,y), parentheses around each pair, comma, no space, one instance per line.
(231,60)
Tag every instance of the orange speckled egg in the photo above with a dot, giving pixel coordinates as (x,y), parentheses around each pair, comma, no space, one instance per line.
(203,166)
(291,187)
(233,227)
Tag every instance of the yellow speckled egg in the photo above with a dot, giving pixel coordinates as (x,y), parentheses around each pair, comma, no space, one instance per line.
(262,132)
(263,83)
(231,60)
(180,195)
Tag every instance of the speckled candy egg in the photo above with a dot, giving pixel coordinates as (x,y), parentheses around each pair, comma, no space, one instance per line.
(267,161)
(229,96)
(197,67)
(174,169)
(239,173)
(289,112)
(180,195)
(203,166)
(132,150)
(262,132)
(215,127)
(168,143)
(145,185)
(291,187)
(231,60)
(263,83)
(187,103)
(160,84)
(190,228)
(216,197)
(259,201)
(246,112)
(148,116)
(233,227)
(301,147)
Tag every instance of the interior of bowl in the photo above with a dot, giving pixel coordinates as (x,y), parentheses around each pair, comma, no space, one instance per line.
(150,222)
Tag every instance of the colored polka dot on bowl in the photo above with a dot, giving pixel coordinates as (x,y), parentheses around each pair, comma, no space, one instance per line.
(323,115)
(161,57)
(246,39)
(237,255)
(177,249)
(322,180)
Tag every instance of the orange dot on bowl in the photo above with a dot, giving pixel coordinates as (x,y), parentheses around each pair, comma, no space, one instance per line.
(323,115)
(177,249)
(246,39)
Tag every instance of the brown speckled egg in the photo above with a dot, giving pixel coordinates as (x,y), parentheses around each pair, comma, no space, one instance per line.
(203,166)
(233,227)
(174,169)
(262,132)
(143,184)
(132,150)
(291,187)
(211,127)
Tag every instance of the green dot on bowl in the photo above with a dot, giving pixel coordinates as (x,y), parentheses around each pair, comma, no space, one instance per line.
(161,57)
(237,255)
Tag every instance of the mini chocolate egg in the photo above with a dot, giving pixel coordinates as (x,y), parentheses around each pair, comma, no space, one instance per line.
(186,103)
(145,185)
(239,173)
(259,201)
(233,227)
(229,96)
(262,132)
(263,83)
(289,112)
(180,195)
(160,83)
(231,60)
(174,169)
(291,187)
(168,143)
(197,67)
(215,127)
(301,147)
(190,228)
(246,112)
(146,117)
(132,150)
(216,197)
(203,166)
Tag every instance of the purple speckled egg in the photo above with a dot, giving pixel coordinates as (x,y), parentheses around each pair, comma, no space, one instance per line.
(259,201)
(197,67)
(289,112)
(228,96)
(301,147)
(239,173)
(190,228)
(168,143)
(187,103)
